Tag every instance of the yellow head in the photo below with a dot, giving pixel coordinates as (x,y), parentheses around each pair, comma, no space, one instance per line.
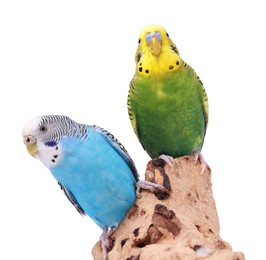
(156,53)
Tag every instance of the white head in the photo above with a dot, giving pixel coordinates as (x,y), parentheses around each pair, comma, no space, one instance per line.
(42,134)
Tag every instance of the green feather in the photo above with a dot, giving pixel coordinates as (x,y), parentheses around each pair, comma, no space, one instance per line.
(168,109)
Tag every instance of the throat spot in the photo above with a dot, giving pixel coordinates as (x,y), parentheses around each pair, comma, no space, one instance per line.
(161,68)
(146,70)
(55,157)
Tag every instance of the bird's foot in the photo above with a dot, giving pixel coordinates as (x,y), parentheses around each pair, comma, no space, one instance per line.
(106,244)
(168,159)
(151,186)
(199,157)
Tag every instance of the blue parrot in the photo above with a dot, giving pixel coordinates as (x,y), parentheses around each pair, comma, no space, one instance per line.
(91,166)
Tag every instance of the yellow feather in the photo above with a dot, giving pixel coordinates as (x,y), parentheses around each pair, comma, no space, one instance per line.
(149,64)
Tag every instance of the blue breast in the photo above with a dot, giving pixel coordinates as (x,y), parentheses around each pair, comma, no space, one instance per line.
(98,177)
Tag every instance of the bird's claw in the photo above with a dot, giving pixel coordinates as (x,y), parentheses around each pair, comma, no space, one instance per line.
(168,159)
(199,157)
(105,241)
(151,186)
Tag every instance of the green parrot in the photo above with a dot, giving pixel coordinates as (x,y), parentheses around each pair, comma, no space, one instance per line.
(167,103)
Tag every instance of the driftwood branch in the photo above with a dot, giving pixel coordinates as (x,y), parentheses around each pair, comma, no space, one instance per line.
(180,225)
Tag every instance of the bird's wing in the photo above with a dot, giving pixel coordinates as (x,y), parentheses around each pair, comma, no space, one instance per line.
(72,199)
(132,115)
(204,102)
(119,148)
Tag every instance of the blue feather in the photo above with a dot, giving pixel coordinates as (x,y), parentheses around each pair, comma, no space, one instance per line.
(98,174)
(92,167)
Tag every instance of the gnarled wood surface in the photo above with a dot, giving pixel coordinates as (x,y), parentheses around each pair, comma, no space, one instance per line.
(180,225)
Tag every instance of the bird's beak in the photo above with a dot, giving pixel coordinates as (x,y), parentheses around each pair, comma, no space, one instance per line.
(31,145)
(154,42)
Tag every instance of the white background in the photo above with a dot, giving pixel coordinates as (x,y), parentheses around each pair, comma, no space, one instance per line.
(76,58)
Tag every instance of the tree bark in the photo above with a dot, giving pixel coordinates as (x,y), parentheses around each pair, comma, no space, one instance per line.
(180,225)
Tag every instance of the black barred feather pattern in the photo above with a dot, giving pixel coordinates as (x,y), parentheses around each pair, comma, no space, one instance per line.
(64,126)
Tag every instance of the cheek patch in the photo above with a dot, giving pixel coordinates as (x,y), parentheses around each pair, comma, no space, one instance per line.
(50,143)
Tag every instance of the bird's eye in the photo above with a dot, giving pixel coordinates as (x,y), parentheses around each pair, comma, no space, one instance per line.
(167,35)
(43,128)
(139,41)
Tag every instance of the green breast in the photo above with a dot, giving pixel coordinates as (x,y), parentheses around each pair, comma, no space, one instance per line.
(169,113)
